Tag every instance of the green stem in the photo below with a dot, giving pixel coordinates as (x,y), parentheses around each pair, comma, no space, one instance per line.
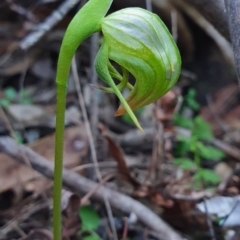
(86,22)
(59,144)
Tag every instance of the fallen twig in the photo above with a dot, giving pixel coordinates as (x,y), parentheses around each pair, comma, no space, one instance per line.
(91,142)
(214,11)
(201,21)
(44,27)
(134,139)
(81,185)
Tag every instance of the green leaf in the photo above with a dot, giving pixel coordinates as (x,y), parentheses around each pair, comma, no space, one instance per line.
(182,147)
(182,138)
(207,176)
(4,103)
(193,104)
(182,121)
(24,94)
(209,152)
(25,97)
(190,100)
(26,101)
(184,163)
(90,218)
(202,129)
(92,237)
(19,137)
(10,93)
(191,93)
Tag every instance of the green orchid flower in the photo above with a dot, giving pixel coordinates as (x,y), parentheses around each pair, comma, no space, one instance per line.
(139,42)
(134,39)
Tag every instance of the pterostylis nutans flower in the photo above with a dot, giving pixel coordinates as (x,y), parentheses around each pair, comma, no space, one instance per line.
(139,42)
(134,39)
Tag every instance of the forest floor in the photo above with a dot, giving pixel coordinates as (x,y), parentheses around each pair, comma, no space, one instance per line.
(181,177)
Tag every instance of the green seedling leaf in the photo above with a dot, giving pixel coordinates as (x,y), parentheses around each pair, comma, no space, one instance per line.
(207,176)
(10,93)
(190,100)
(25,97)
(26,101)
(4,103)
(185,163)
(182,147)
(202,129)
(24,94)
(182,138)
(90,218)
(209,152)
(19,137)
(182,121)
(92,237)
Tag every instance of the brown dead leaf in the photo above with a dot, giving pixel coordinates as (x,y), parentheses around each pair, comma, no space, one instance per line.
(14,176)
(161,201)
(117,154)
(165,108)
(70,205)
(70,202)
(76,146)
(183,215)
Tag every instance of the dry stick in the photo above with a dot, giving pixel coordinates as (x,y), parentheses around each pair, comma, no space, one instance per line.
(174,20)
(222,43)
(21,11)
(214,11)
(138,140)
(12,133)
(95,38)
(209,221)
(89,194)
(233,12)
(149,5)
(91,143)
(82,185)
(48,24)
(21,217)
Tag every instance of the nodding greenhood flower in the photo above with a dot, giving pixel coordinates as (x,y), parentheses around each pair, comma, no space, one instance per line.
(138,41)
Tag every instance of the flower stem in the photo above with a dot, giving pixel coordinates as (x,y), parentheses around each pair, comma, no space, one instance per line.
(59,144)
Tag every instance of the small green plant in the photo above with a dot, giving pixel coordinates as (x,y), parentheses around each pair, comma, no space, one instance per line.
(135,39)
(90,223)
(196,147)
(11,96)
(25,97)
(190,99)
